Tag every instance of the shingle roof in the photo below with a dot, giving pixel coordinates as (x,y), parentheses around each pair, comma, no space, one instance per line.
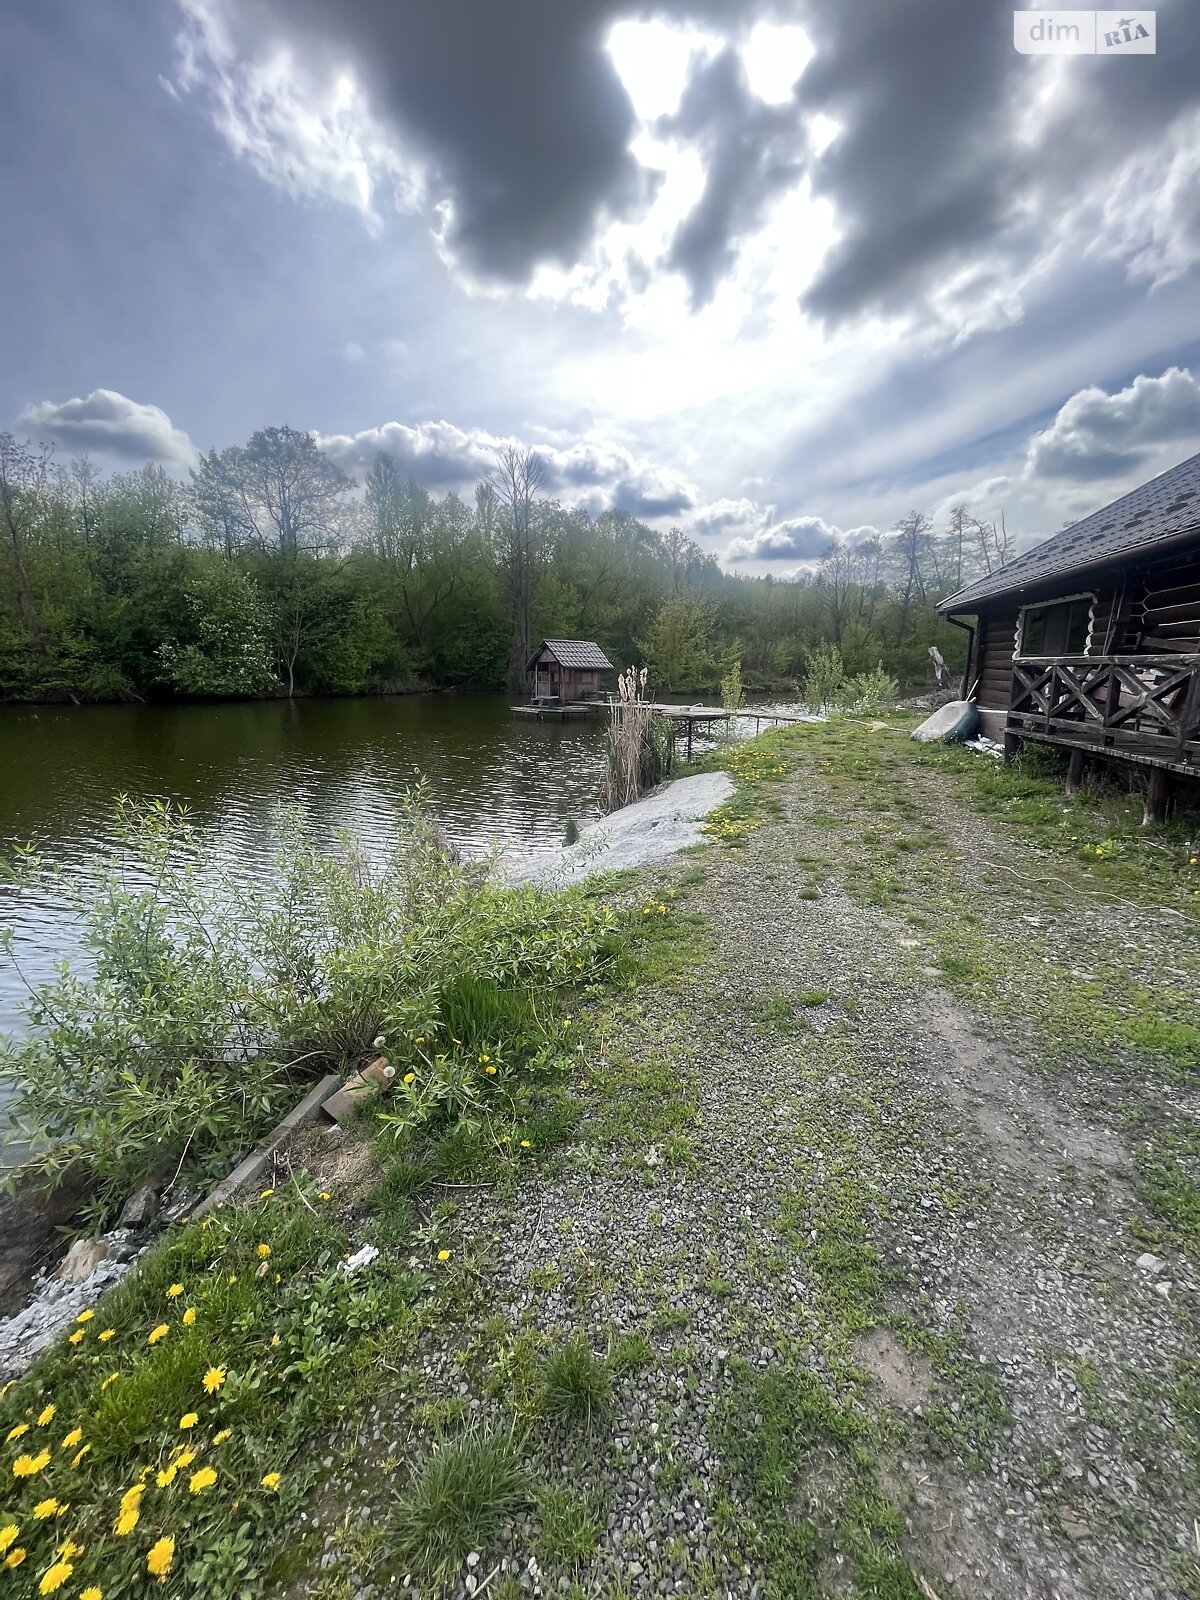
(581,653)
(1154,513)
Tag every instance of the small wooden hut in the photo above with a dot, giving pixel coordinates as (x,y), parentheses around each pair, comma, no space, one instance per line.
(1091,640)
(566,670)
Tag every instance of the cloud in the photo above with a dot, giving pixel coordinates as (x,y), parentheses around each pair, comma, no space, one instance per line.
(725,515)
(796,539)
(953,170)
(752,152)
(1098,435)
(110,423)
(352,352)
(596,473)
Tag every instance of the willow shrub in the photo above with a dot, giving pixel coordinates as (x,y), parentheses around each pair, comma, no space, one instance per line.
(207,997)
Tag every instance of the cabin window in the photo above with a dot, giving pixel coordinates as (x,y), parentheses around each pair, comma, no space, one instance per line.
(1059,629)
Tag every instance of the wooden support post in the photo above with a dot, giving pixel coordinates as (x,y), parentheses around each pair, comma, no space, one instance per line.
(689,744)
(1075,770)
(1012,747)
(1157,796)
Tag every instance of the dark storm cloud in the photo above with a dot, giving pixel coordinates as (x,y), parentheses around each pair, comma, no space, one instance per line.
(520,124)
(515,110)
(752,152)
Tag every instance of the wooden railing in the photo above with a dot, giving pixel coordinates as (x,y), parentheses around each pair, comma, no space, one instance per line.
(1147,706)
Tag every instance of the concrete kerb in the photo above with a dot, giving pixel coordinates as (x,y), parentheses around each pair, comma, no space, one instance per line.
(258,1160)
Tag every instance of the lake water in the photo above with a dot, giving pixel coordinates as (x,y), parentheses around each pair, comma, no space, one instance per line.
(492,776)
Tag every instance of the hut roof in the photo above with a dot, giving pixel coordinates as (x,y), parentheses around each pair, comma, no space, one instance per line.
(1153,514)
(582,653)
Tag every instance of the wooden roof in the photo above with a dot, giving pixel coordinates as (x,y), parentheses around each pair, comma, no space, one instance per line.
(582,653)
(1156,513)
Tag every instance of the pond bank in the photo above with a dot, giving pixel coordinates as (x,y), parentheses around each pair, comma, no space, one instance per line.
(820,1272)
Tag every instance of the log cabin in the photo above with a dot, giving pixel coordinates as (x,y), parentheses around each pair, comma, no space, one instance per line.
(567,670)
(1091,640)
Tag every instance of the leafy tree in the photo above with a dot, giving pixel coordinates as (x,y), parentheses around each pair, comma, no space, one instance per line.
(678,644)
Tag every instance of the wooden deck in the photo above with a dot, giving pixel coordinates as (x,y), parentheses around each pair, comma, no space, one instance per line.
(1141,708)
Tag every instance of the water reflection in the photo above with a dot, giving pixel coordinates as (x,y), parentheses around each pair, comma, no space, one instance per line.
(491,777)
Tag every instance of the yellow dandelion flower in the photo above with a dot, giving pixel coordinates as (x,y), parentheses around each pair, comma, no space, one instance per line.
(232,1279)
(443,1255)
(420,1039)
(76,1337)
(189,1420)
(525,1145)
(45,1508)
(131,1498)
(213,1379)
(158,1562)
(485,1059)
(28,1466)
(174,1291)
(324,1195)
(266,1194)
(276,1341)
(126,1522)
(85,1316)
(45,1415)
(79,1455)
(567,1022)
(183,1460)
(264,1250)
(189,1316)
(167,1476)
(112,1378)
(91,1593)
(271,1480)
(8,1536)
(199,1481)
(15,1557)
(68,1550)
(158,1334)
(109,1333)
(491,1071)
(410,1077)
(54,1577)
(70,1440)
(220,1438)
(15,1433)
(207,1223)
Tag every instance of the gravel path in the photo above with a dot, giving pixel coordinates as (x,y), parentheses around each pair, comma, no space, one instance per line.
(807,1158)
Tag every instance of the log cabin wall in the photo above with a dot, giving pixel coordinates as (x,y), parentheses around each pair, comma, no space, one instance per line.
(1168,615)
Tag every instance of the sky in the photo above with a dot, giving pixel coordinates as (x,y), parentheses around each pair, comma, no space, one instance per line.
(771,272)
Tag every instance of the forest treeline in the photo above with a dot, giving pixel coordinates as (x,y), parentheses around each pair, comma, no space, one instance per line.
(270,572)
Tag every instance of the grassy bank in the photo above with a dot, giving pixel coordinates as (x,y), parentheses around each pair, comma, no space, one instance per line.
(795,1244)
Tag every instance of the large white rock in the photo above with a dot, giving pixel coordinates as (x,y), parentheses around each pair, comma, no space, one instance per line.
(652,829)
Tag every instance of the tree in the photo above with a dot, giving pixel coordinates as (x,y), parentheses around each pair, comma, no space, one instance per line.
(291,494)
(23,474)
(678,644)
(516,481)
(415,539)
(217,502)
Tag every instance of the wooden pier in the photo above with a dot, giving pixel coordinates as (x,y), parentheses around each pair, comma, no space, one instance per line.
(685,719)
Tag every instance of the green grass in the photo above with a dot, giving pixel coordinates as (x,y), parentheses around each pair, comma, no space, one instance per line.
(805,1477)
(576,1387)
(457,1499)
(570,1532)
(630,1352)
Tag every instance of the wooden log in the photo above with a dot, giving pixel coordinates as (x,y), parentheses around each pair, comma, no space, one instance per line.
(1012,748)
(1157,796)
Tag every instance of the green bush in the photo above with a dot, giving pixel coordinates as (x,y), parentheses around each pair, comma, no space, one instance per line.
(824,677)
(212,997)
